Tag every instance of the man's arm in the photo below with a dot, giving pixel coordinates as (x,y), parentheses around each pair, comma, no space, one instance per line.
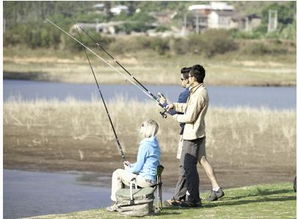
(193,109)
(180,107)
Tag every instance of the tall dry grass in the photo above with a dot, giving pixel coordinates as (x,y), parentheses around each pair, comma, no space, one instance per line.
(240,136)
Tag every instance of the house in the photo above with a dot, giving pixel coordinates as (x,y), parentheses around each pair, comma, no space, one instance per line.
(198,18)
(119,9)
(220,19)
(246,22)
(107,28)
(163,17)
(214,15)
(99,8)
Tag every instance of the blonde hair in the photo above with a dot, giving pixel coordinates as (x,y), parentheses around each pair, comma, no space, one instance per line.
(149,128)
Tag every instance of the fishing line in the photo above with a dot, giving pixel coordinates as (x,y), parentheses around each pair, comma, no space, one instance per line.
(105,106)
(134,81)
(130,74)
(109,54)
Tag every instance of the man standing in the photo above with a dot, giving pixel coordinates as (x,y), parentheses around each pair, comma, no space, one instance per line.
(182,99)
(193,141)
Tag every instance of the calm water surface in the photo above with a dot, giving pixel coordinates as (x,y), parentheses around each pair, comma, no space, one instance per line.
(28,193)
(220,96)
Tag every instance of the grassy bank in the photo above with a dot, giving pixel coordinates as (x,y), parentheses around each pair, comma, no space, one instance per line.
(74,135)
(262,201)
(148,67)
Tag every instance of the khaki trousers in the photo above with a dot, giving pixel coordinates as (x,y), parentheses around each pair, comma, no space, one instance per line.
(122,177)
(179,149)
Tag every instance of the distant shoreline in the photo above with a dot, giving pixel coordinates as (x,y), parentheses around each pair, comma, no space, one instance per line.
(148,68)
(43,77)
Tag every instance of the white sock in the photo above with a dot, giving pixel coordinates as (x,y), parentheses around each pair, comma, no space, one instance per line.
(216,189)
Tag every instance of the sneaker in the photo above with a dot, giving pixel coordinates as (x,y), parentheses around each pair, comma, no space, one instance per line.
(172,202)
(112,208)
(215,195)
(188,204)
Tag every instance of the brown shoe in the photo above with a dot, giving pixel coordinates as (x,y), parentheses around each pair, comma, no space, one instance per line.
(173,202)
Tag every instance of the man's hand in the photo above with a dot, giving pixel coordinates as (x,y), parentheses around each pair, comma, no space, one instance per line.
(169,107)
(162,99)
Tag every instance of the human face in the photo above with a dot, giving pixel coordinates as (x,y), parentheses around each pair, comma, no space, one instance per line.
(191,79)
(184,82)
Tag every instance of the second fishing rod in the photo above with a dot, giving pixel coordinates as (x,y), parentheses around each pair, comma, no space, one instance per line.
(128,75)
(126,71)
(119,146)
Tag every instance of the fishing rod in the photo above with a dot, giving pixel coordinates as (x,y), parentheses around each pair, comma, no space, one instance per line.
(132,79)
(106,108)
(119,64)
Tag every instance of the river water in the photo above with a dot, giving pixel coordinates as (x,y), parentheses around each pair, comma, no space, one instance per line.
(220,96)
(28,193)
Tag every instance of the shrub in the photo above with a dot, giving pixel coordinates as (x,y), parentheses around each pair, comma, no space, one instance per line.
(247,35)
(89,40)
(179,46)
(14,36)
(264,48)
(134,27)
(162,28)
(212,42)
(130,44)
(160,45)
(33,35)
(289,32)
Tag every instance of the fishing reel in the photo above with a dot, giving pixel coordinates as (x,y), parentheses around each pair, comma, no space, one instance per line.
(163,104)
(163,114)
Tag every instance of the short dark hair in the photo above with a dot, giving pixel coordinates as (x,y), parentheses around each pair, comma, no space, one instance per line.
(198,72)
(185,72)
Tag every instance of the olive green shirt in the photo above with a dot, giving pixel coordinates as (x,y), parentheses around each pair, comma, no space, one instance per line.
(194,112)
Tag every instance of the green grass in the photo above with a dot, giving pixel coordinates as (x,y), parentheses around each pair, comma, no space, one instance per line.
(261,201)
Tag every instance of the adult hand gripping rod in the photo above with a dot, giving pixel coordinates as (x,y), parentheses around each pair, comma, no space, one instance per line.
(132,79)
(107,111)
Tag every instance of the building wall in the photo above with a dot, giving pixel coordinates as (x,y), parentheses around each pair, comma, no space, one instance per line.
(224,22)
(213,20)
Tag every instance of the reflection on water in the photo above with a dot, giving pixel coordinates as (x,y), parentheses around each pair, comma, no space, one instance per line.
(223,96)
(36,193)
